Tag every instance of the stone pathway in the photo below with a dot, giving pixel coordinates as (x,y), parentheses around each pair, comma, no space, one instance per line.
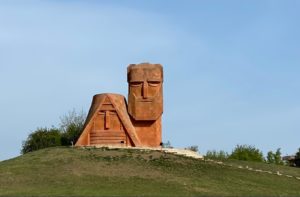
(176,151)
(183,152)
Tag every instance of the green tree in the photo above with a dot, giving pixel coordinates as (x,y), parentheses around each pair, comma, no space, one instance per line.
(71,126)
(277,157)
(41,138)
(193,148)
(274,157)
(247,153)
(217,155)
(270,157)
(297,156)
(167,145)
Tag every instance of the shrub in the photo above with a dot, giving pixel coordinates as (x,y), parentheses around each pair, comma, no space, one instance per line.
(216,155)
(70,129)
(71,135)
(277,157)
(193,148)
(41,138)
(274,157)
(270,157)
(247,153)
(297,158)
(167,145)
(71,126)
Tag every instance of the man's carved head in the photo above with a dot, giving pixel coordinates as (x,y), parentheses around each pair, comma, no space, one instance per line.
(145,99)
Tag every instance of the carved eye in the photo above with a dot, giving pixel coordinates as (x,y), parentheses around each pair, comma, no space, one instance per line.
(154,83)
(113,112)
(136,83)
(101,112)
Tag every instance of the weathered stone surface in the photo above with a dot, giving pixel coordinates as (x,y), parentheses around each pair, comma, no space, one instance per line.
(111,123)
(108,123)
(145,101)
(145,98)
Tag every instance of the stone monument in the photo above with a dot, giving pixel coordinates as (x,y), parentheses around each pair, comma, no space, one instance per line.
(145,101)
(110,122)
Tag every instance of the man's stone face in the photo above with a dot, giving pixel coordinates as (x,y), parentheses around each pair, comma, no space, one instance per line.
(145,91)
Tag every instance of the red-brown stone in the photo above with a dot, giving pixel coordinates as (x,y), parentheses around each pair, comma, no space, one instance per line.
(110,122)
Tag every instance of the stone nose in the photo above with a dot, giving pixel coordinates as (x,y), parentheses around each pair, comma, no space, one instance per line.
(145,90)
(107,120)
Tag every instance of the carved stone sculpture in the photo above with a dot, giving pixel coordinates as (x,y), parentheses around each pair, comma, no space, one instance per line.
(110,122)
(145,101)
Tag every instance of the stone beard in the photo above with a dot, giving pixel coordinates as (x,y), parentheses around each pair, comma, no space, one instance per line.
(145,101)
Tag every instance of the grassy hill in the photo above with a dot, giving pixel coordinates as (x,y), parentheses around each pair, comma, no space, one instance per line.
(103,172)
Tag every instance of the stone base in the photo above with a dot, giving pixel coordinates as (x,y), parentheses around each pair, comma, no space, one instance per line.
(176,151)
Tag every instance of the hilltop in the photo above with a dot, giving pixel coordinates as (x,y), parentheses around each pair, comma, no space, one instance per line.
(62,171)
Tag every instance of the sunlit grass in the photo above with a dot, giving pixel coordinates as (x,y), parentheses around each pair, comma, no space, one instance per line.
(102,172)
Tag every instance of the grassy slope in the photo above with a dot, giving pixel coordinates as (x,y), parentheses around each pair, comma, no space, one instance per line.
(100,172)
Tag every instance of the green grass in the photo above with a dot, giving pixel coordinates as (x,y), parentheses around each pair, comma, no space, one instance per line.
(102,172)
(286,170)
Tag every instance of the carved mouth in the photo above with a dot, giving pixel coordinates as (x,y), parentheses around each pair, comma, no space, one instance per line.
(147,100)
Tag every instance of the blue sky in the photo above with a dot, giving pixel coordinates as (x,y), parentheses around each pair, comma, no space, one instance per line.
(231,67)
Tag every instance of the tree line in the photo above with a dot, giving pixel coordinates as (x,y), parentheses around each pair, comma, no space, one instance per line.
(250,153)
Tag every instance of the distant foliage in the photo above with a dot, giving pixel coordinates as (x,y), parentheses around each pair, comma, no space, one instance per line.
(71,126)
(247,153)
(270,157)
(275,158)
(216,155)
(72,118)
(70,129)
(193,148)
(297,156)
(167,145)
(41,138)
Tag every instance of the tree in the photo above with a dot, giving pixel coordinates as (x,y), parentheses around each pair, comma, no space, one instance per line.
(167,145)
(297,156)
(247,153)
(41,138)
(70,129)
(193,148)
(71,126)
(274,157)
(277,157)
(270,157)
(217,155)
